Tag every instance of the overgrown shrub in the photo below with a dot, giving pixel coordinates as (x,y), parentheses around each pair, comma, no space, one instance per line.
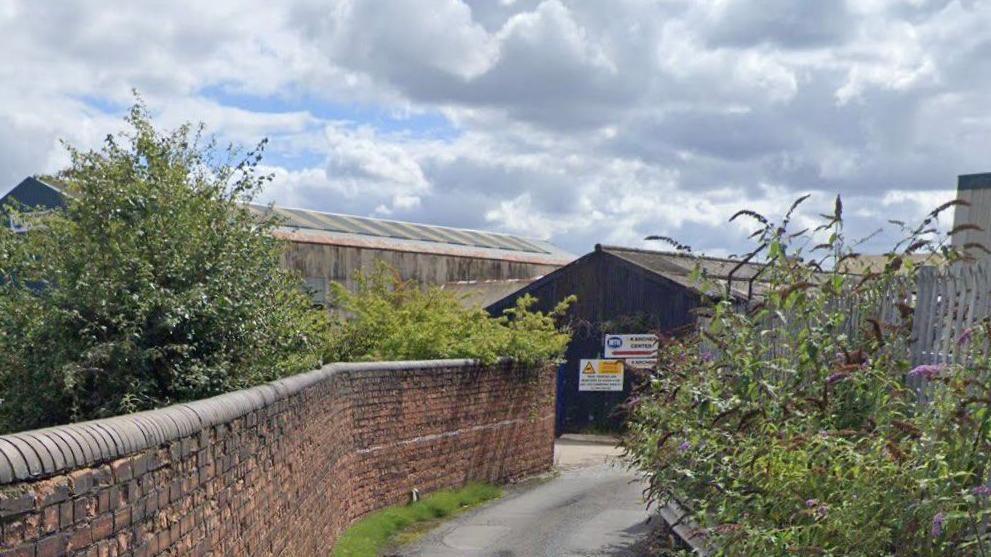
(790,428)
(154,285)
(386,318)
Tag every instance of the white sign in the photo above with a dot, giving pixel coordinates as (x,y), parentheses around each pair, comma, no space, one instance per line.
(641,363)
(600,375)
(631,346)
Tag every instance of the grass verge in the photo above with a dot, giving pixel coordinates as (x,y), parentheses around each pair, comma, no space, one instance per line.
(370,535)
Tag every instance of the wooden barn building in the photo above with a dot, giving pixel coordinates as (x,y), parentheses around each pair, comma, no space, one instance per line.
(481,267)
(625,291)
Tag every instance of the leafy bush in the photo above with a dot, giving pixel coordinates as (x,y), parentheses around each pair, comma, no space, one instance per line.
(791,429)
(154,285)
(390,319)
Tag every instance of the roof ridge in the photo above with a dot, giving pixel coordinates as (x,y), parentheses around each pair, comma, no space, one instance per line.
(605,247)
(678,278)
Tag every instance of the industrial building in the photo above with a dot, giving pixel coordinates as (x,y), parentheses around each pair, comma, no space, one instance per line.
(975,189)
(480,267)
(626,291)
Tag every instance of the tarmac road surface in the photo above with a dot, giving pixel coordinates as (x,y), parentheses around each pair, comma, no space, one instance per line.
(592,508)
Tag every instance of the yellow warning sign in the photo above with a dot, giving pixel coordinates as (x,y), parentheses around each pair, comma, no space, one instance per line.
(613,366)
(600,375)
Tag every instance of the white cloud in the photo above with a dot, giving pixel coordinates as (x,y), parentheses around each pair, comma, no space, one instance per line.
(583,122)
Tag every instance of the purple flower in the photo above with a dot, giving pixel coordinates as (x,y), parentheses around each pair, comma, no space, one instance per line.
(708,356)
(836,377)
(965,336)
(684,447)
(927,371)
(819,510)
(981,491)
(938,520)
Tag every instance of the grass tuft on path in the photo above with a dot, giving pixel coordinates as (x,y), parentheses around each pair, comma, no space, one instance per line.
(370,535)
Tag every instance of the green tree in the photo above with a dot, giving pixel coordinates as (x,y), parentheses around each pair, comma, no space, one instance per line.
(387,318)
(155,285)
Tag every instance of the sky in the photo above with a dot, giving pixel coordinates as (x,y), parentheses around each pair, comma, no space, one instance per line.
(581,122)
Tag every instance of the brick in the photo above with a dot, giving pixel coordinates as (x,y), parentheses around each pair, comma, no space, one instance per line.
(103,501)
(26,550)
(50,519)
(122,519)
(139,466)
(138,511)
(103,527)
(102,476)
(14,502)
(83,509)
(162,540)
(51,492)
(116,497)
(52,546)
(151,504)
(80,538)
(121,470)
(65,514)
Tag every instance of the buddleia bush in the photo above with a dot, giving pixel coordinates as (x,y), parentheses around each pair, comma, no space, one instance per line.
(154,285)
(792,425)
(386,318)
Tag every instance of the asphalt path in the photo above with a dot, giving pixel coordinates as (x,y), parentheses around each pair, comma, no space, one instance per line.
(592,507)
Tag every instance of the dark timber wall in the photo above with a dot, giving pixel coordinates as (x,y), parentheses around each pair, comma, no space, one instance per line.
(280,469)
(614,296)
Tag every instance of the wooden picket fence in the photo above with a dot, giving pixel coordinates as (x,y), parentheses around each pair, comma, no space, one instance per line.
(948,303)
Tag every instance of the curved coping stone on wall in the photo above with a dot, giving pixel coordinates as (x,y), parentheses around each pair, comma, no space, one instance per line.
(30,455)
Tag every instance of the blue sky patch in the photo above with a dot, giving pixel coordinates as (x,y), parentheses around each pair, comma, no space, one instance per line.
(429,124)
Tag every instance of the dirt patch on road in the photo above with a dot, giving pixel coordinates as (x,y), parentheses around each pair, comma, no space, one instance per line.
(578,451)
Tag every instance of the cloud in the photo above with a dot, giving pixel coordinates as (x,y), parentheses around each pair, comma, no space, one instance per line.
(582,122)
(784,23)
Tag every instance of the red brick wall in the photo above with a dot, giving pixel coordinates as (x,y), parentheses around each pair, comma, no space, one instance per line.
(281,469)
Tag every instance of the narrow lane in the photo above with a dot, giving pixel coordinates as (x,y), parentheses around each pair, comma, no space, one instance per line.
(592,508)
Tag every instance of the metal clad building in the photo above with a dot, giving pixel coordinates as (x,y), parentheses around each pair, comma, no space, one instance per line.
(976,190)
(328,247)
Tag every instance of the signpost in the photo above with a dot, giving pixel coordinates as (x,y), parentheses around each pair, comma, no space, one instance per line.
(641,363)
(600,375)
(639,351)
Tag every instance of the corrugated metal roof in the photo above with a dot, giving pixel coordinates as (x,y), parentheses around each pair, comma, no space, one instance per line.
(679,267)
(318,227)
(301,225)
